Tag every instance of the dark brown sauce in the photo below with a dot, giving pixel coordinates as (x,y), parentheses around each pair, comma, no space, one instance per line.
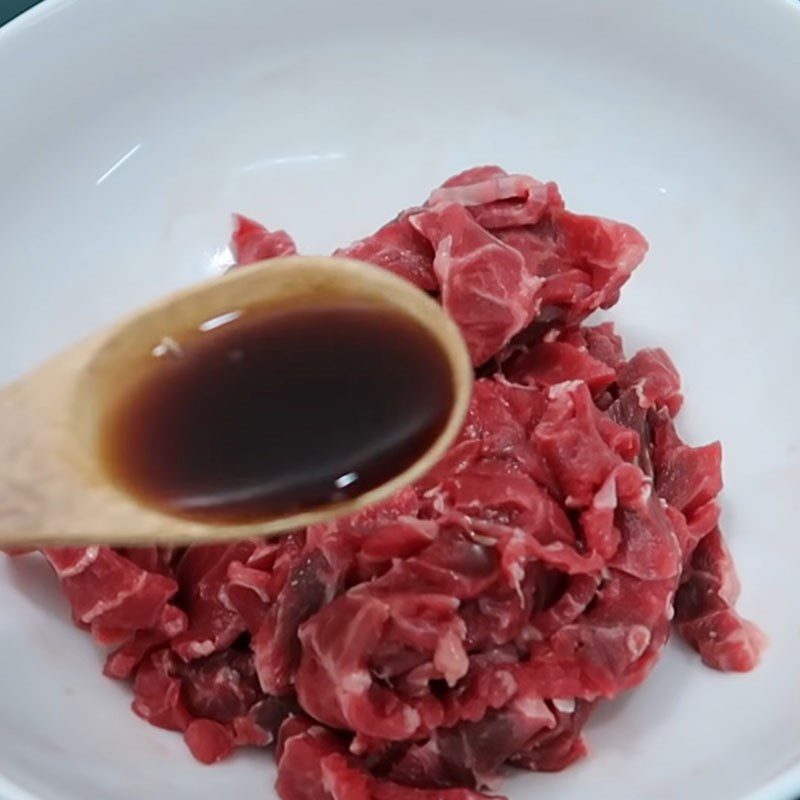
(265,412)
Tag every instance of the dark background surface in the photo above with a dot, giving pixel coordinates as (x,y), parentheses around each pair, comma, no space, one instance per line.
(11,8)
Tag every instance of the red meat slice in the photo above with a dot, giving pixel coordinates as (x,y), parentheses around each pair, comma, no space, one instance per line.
(387,790)
(497,199)
(254,585)
(216,702)
(654,379)
(335,683)
(550,363)
(108,592)
(208,741)
(202,573)
(70,561)
(686,477)
(704,610)
(313,765)
(579,591)
(649,547)
(150,559)
(582,446)
(611,648)
(602,343)
(158,693)
(484,284)
(263,720)
(583,261)
(221,687)
(399,248)
(557,748)
(310,584)
(122,663)
(471,753)
(251,241)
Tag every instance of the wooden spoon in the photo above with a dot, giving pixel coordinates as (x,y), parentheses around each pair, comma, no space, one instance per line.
(54,489)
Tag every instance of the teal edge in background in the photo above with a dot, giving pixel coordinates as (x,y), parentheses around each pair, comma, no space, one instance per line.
(11,8)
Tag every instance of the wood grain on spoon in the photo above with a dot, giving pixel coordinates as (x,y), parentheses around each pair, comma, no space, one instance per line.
(54,486)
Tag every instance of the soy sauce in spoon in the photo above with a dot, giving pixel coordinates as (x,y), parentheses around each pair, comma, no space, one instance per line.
(263,412)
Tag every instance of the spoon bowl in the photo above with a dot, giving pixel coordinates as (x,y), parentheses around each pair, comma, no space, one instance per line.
(55,488)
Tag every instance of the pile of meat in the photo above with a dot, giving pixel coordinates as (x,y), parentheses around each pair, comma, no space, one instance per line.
(476,619)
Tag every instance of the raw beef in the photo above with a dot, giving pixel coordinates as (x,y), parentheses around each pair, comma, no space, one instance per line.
(473,621)
(252,242)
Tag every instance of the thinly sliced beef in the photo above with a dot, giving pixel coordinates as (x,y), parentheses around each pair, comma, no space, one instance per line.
(221,687)
(473,620)
(583,261)
(109,593)
(551,363)
(252,242)
(497,199)
(314,765)
(472,753)
(556,748)
(654,379)
(484,285)
(704,610)
(310,584)
(399,248)
(123,662)
(158,692)
(201,572)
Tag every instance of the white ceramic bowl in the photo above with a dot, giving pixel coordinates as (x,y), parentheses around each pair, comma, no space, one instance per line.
(130,131)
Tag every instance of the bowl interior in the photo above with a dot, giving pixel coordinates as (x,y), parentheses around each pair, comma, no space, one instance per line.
(124,150)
